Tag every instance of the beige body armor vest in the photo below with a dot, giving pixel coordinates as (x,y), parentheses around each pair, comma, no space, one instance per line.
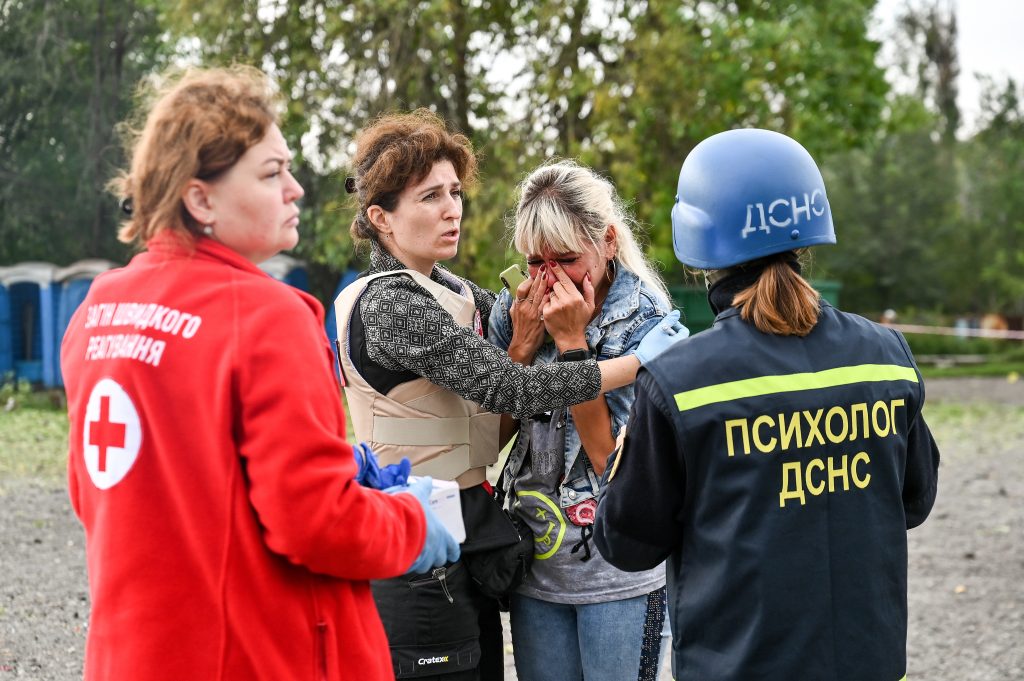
(444,435)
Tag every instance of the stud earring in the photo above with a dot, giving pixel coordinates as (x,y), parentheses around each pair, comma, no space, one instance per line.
(208,230)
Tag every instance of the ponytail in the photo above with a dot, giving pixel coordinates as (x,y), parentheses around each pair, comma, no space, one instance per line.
(780,302)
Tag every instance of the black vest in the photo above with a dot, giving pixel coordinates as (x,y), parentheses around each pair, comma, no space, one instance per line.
(793,559)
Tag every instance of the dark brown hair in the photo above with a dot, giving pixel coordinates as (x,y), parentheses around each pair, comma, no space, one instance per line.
(401,148)
(780,302)
(196,125)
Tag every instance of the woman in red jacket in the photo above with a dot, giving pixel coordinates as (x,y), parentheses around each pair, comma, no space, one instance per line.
(226,535)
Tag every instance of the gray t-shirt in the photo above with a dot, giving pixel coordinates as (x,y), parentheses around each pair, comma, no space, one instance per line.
(559,573)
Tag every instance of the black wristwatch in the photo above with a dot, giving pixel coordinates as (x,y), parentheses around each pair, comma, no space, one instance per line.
(574,355)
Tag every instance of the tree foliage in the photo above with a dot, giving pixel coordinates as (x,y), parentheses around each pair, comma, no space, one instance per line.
(929,33)
(67,71)
(994,176)
(693,69)
(925,220)
(340,64)
(894,207)
(628,87)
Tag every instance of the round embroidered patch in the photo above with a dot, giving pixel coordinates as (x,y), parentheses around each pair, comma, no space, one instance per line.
(583,513)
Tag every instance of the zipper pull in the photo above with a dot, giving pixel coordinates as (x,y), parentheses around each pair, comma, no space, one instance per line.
(441,575)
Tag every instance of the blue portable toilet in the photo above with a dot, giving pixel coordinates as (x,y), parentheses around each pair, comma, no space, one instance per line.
(330,322)
(291,271)
(74,282)
(6,334)
(28,309)
(331,318)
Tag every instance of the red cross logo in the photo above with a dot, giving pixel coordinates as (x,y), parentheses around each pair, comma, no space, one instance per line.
(111,422)
(104,433)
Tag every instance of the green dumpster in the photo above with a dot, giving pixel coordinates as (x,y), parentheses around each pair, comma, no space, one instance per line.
(828,289)
(693,303)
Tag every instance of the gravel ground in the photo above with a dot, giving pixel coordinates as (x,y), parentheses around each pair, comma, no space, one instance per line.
(966,562)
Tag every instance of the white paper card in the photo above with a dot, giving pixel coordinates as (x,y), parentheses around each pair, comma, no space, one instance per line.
(444,502)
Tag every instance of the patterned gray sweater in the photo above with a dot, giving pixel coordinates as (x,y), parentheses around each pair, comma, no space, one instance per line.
(406,330)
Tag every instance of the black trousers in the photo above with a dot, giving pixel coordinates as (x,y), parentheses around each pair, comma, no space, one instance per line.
(492,650)
(492,643)
(440,627)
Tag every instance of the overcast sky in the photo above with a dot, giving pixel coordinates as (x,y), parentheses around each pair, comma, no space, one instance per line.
(991,41)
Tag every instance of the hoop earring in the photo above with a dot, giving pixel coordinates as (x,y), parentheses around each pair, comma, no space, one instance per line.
(611,270)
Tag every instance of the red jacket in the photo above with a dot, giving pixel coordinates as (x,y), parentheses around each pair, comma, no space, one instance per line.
(226,536)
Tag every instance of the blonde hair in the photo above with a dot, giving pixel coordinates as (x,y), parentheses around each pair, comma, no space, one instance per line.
(197,124)
(565,206)
(780,302)
(398,149)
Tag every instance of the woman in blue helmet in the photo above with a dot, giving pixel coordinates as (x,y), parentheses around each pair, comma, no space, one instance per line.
(777,459)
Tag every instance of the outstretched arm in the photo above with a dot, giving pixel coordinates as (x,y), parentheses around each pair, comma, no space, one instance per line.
(426,340)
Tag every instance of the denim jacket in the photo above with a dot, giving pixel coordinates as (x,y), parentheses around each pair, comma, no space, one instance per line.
(628,313)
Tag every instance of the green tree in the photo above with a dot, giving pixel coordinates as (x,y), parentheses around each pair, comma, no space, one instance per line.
(66,74)
(994,172)
(340,64)
(897,202)
(893,204)
(628,87)
(632,87)
(929,35)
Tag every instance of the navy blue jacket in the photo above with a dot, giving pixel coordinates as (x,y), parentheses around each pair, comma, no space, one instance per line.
(778,476)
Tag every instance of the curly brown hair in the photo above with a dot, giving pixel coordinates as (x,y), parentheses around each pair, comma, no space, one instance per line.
(197,124)
(399,149)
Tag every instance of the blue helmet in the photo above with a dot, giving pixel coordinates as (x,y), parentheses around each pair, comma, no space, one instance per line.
(745,194)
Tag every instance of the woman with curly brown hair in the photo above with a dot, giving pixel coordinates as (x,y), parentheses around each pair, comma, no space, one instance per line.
(422,382)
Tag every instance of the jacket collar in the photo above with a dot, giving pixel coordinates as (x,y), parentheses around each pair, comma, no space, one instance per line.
(381,260)
(166,245)
(623,297)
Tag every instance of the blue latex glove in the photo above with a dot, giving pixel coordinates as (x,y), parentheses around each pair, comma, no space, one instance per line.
(370,473)
(440,546)
(661,337)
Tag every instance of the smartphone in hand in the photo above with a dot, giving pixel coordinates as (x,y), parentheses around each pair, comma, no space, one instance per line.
(512,277)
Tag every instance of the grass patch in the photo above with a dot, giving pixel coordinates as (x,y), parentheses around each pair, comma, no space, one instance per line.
(985,426)
(33,443)
(995,368)
(33,436)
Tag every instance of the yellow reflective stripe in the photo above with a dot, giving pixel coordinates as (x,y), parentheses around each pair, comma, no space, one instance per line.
(769,385)
(904,678)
